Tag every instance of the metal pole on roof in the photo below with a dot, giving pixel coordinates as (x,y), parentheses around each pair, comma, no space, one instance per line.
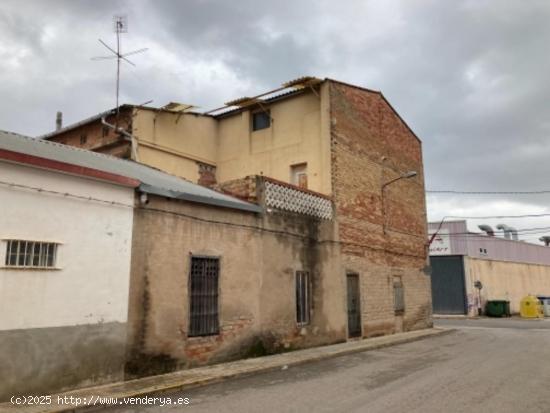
(120,26)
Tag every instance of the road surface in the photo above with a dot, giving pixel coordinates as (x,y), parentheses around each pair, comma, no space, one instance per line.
(485,366)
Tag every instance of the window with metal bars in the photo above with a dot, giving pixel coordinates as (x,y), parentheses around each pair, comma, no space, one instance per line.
(203,296)
(398,295)
(303,297)
(30,254)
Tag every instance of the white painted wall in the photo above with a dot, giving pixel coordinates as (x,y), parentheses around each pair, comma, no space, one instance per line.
(92,282)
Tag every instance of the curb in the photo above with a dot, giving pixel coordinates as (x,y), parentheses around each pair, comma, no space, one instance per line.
(186,379)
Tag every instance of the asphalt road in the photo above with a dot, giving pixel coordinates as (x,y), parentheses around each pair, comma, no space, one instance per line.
(486,366)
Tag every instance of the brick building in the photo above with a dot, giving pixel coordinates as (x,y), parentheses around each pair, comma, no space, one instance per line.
(291,151)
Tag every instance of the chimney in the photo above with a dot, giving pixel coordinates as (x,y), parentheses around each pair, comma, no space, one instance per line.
(59,121)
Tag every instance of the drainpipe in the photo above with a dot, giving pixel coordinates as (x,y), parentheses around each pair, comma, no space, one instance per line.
(129,137)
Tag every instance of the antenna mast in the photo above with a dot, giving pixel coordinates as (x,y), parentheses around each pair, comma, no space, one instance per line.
(120,25)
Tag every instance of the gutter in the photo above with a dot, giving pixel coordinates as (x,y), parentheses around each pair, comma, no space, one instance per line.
(64,167)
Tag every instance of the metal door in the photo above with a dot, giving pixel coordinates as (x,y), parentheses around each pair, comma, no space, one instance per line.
(448,289)
(354,306)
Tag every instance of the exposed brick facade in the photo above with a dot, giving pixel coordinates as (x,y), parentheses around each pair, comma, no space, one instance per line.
(371,145)
(245,189)
(207,175)
(97,137)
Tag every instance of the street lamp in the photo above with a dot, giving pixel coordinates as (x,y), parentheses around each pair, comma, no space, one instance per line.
(406,175)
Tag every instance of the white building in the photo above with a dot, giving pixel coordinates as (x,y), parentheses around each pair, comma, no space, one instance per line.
(65,244)
(66,227)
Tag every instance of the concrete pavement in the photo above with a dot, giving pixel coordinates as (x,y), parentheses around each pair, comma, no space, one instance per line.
(487,366)
(126,392)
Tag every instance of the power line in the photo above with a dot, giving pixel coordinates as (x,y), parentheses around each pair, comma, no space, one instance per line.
(211,221)
(497,216)
(453,192)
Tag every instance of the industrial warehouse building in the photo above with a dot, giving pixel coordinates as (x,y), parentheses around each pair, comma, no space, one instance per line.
(506,267)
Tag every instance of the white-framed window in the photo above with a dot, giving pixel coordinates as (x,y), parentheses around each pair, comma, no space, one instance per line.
(30,254)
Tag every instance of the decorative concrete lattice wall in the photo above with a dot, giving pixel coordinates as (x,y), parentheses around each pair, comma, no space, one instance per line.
(294,200)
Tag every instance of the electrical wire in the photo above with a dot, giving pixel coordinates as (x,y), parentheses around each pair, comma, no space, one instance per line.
(210,221)
(542,192)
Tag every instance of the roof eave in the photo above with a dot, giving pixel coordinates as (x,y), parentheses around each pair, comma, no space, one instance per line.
(236,204)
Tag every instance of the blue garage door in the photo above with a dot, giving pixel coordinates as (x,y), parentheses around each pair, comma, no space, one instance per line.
(448,290)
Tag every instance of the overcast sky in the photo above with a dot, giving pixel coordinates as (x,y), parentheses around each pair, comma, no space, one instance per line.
(470,77)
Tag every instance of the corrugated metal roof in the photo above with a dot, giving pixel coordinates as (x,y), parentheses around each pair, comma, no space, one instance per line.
(152,180)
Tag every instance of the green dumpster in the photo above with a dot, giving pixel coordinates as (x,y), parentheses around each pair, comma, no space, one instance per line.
(497,308)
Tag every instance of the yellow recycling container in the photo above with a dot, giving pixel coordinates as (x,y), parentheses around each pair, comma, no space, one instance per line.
(530,307)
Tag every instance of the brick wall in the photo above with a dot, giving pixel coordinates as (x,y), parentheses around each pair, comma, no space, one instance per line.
(97,137)
(245,188)
(371,145)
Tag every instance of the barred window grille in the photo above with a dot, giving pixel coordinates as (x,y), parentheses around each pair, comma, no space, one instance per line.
(31,254)
(303,297)
(398,295)
(204,319)
(292,199)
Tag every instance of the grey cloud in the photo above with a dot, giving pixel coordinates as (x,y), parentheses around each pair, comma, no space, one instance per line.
(469,77)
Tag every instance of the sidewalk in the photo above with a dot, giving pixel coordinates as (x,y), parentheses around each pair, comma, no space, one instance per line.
(184,379)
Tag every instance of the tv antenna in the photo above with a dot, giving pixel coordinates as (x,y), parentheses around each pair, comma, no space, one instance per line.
(120,25)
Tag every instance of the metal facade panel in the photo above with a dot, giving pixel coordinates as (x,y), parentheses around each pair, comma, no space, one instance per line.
(448,285)
(496,248)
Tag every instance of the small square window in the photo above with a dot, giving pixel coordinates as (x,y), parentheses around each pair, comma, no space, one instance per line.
(261,120)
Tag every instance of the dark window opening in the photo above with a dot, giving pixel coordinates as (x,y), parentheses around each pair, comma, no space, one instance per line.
(83,139)
(303,297)
(204,320)
(261,120)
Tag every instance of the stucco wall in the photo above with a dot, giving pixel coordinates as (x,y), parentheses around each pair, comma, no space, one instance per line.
(175,143)
(257,285)
(88,288)
(298,134)
(371,146)
(504,280)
